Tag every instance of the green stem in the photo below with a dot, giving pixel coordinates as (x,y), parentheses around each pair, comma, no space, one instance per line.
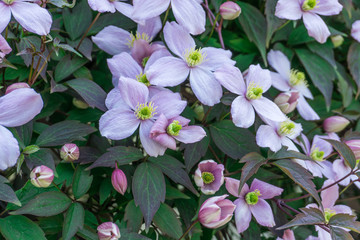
(166,16)
(87,30)
(188,230)
(213,28)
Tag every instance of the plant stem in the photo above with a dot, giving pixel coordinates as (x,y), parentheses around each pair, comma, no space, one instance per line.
(166,16)
(214,153)
(87,30)
(188,230)
(62,191)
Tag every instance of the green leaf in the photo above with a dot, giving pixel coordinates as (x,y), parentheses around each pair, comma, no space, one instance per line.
(340,234)
(253,23)
(273,22)
(45,204)
(51,225)
(299,175)
(173,193)
(7,194)
(20,228)
(120,154)
(74,220)
(105,190)
(133,217)
(283,153)
(299,36)
(346,153)
(167,221)
(233,141)
(194,152)
(345,221)
(87,233)
(174,170)
(324,51)
(64,132)
(309,216)
(41,157)
(68,66)
(90,92)
(253,162)
(125,234)
(353,61)
(148,189)
(81,182)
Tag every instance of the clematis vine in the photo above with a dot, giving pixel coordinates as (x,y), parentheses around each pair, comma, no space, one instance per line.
(309,10)
(209,176)
(287,79)
(30,16)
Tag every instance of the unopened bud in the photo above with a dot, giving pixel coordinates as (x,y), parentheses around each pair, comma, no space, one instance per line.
(229,10)
(287,101)
(41,176)
(337,40)
(335,124)
(119,181)
(15,86)
(70,152)
(108,231)
(31,149)
(80,104)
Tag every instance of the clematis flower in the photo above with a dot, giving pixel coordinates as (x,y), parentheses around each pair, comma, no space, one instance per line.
(30,16)
(355,30)
(111,6)
(309,10)
(167,131)
(16,108)
(251,201)
(209,176)
(288,235)
(250,99)
(199,63)
(277,134)
(114,40)
(4,48)
(138,109)
(287,79)
(188,14)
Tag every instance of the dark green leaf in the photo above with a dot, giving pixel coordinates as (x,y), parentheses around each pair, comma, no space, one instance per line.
(253,162)
(87,233)
(344,151)
(353,60)
(133,217)
(253,232)
(283,153)
(309,216)
(167,221)
(20,228)
(51,225)
(41,157)
(273,22)
(194,152)
(68,66)
(345,221)
(105,190)
(81,182)
(299,36)
(74,220)
(62,3)
(125,234)
(173,193)
(324,50)
(7,194)
(113,19)
(340,234)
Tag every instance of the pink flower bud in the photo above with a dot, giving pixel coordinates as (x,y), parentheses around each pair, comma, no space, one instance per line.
(216,212)
(108,231)
(209,176)
(335,124)
(354,145)
(70,152)
(119,181)
(15,86)
(41,176)
(229,10)
(287,101)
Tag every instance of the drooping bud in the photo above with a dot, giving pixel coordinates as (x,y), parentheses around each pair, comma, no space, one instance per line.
(287,101)
(229,10)
(70,152)
(108,231)
(15,86)
(337,40)
(119,181)
(41,176)
(335,124)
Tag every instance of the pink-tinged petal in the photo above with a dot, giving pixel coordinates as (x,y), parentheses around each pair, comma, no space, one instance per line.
(231,78)
(209,166)
(190,134)
(288,9)
(305,110)
(125,9)
(267,190)
(205,86)
(162,52)
(329,195)
(9,149)
(215,58)
(259,77)
(144,9)
(266,136)
(242,215)
(175,72)
(242,112)
(316,27)
(4,46)
(140,50)
(280,63)
(189,14)
(328,170)
(169,104)
(19,107)
(5,14)
(32,17)
(355,30)
(232,186)
(182,121)
(151,147)
(209,214)
(124,65)
(159,126)
(319,142)
(118,123)
(133,92)
(288,235)
(279,82)
(102,6)
(333,136)
(178,39)
(285,141)
(151,27)
(268,109)
(342,209)
(114,100)
(341,170)
(263,213)
(112,40)
(165,140)
(327,7)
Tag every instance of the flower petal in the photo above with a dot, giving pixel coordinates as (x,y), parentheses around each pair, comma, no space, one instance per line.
(268,109)
(319,142)
(102,6)
(162,52)
(112,40)
(144,9)
(151,147)
(266,136)
(316,27)
(342,209)
(231,78)
(327,7)
(259,77)
(9,149)
(190,134)
(267,190)
(242,215)
(159,126)
(123,65)
(215,58)
(305,110)
(279,82)
(242,112)
(280,63)
(178,39)
(263,213)
(355,30)
(232,186)
(341,170)
(288,9)
(133,92)
(151,27)
(329,195)
(114,100)
(125,9)
(169,104)
(5,14)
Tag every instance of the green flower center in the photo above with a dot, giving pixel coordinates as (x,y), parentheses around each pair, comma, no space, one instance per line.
(317,155)
(286,128)
(143,79)
(309,5)
(254,92)
(8,1)
(194,57)
(297,78)
(138,36)
(145,111)
(207,177)
(144,61)
(174,128)
(328,214)
(252,198)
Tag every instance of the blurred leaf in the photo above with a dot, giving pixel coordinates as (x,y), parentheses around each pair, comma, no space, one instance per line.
(173,193)
(353,61)
(167,221)
(148,189)
(340,234)
(195,151)
(133,217)
(20,228)
(344,84)
(45,204)
(87,233)
(81,182)
(7,194)
(344,151)
(309,216)
(74,220)
(243,61)
(253,162)
(283,153)
(68,66)
(345,221)
(273,22)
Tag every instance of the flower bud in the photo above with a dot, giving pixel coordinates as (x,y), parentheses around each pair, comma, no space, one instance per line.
(15,86)
(119,181)
(287,101)
(335,124)
(354,145)
(229,10)
(80,104)
(70,152)
(337,40)
(108,231)
(216,212)
(41,176)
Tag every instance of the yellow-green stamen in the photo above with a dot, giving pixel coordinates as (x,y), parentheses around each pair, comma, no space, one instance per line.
(297,78)
(174,128)
(207,177)
(194,57)
(145,111)
(254,92)
(286,128)
(252,198)
(143,79)
(317,155)
(8,1)
(138,36)
(328,214)
(309,5)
